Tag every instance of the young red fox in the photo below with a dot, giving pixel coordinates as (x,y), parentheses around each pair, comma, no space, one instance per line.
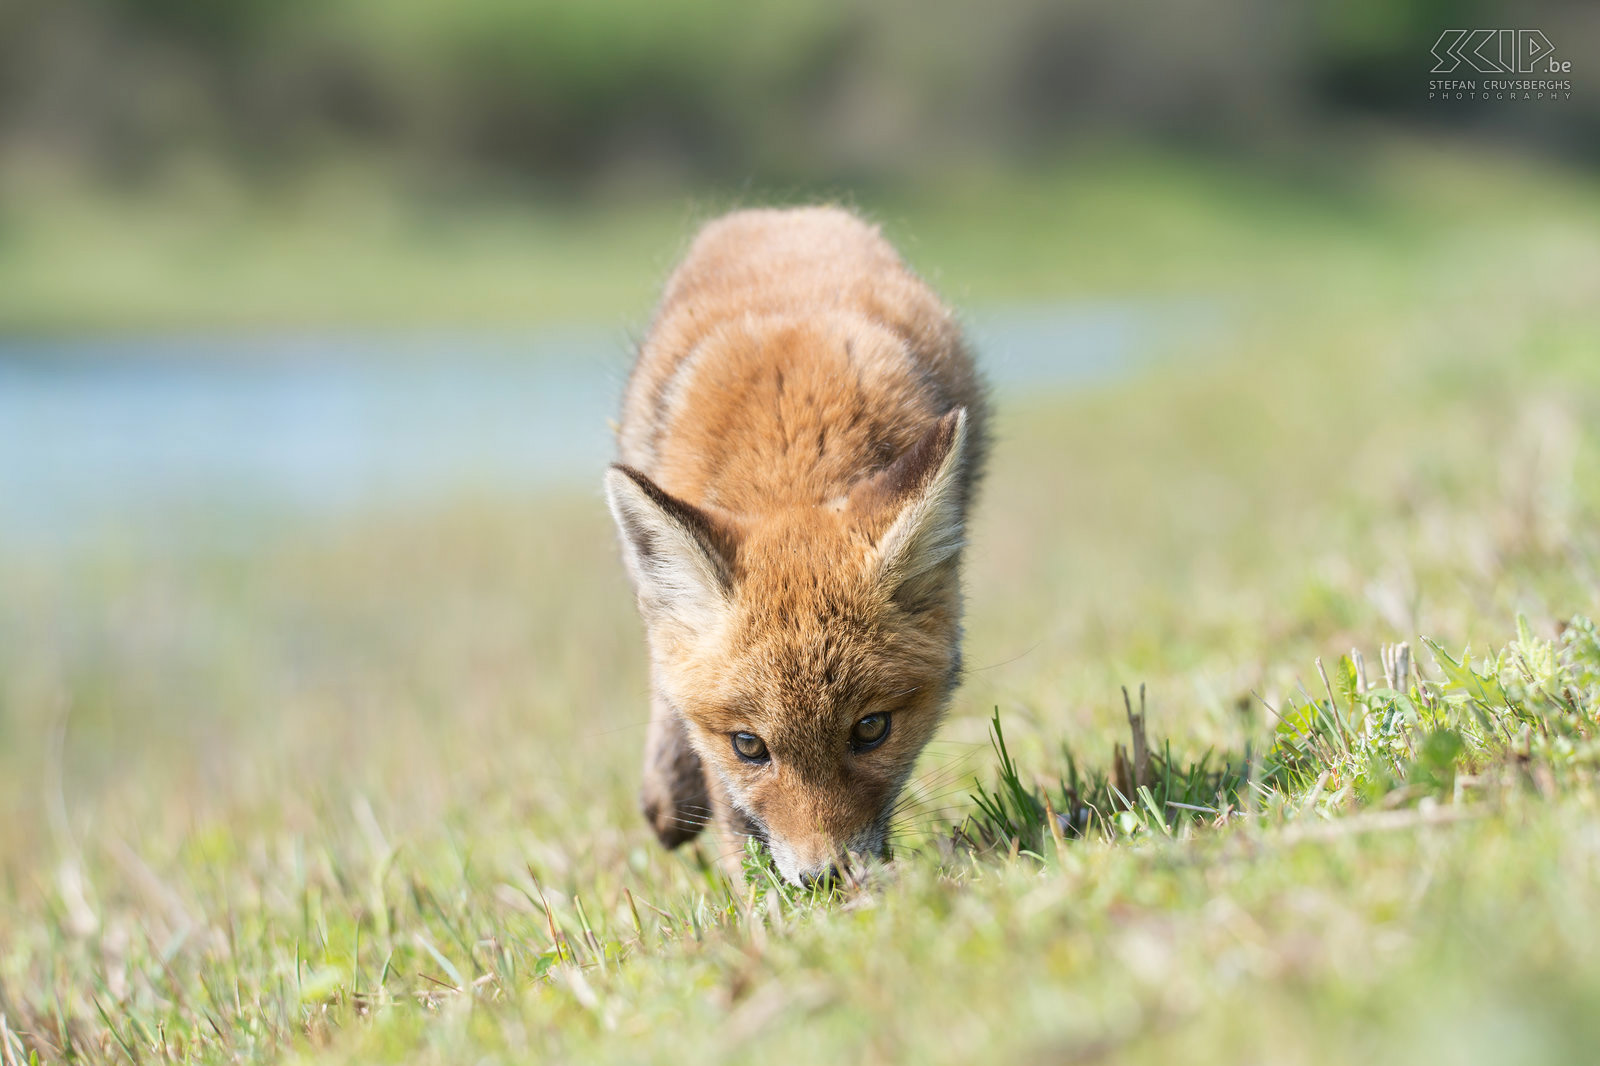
(800,439)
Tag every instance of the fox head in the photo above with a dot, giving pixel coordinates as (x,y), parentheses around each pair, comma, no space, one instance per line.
(810,652)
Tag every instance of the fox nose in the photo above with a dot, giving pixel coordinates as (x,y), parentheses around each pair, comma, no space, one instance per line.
(820,878)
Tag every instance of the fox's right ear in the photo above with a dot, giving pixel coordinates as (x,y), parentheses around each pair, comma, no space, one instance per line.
(925,490)
(676,555)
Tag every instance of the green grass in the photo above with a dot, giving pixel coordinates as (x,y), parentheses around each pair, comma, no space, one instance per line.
(344,245)
(364,792)
(1518,720)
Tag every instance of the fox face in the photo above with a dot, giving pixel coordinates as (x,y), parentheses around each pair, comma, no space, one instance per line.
(809,652)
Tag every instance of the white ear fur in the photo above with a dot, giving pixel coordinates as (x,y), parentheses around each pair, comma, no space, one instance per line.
(931,528)
(679,575)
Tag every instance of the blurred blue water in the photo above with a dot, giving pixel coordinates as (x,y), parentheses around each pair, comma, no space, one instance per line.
(108,438)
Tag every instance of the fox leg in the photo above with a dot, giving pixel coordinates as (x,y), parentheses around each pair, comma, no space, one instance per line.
(673,796)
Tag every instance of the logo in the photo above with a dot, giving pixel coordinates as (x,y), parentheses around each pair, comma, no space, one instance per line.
(1520,64)
(1497,52)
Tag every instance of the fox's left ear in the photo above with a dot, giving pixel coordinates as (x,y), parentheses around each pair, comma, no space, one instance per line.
(677,554)
(927,487)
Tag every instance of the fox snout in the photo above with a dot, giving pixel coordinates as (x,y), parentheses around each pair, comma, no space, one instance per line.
(819,860)
(820,819)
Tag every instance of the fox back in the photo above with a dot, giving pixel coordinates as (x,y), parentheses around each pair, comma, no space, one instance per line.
(799,442)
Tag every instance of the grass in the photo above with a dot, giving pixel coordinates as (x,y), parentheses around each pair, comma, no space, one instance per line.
(1526,718)
(363,791)
(342,245)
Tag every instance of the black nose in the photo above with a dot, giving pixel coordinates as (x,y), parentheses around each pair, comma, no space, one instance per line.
(820,878)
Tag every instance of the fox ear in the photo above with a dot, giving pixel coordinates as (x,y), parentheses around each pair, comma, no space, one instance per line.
(675,554)
(928,486)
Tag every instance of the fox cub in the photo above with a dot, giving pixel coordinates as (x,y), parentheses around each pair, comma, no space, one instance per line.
(800,439)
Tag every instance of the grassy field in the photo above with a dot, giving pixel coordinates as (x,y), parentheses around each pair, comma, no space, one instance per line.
(344,246)
(364,792)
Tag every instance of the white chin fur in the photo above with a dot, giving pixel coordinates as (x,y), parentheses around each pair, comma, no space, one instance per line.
(789,865)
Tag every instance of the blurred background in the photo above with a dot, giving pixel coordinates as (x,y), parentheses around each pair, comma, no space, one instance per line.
(175,164)
(489,97)
(275,273)
(313,314)
(281,251)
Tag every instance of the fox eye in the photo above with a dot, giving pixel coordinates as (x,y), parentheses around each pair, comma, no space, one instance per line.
(869,732)
(750,747)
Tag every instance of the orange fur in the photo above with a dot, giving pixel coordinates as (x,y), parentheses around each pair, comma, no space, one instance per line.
(799,440)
